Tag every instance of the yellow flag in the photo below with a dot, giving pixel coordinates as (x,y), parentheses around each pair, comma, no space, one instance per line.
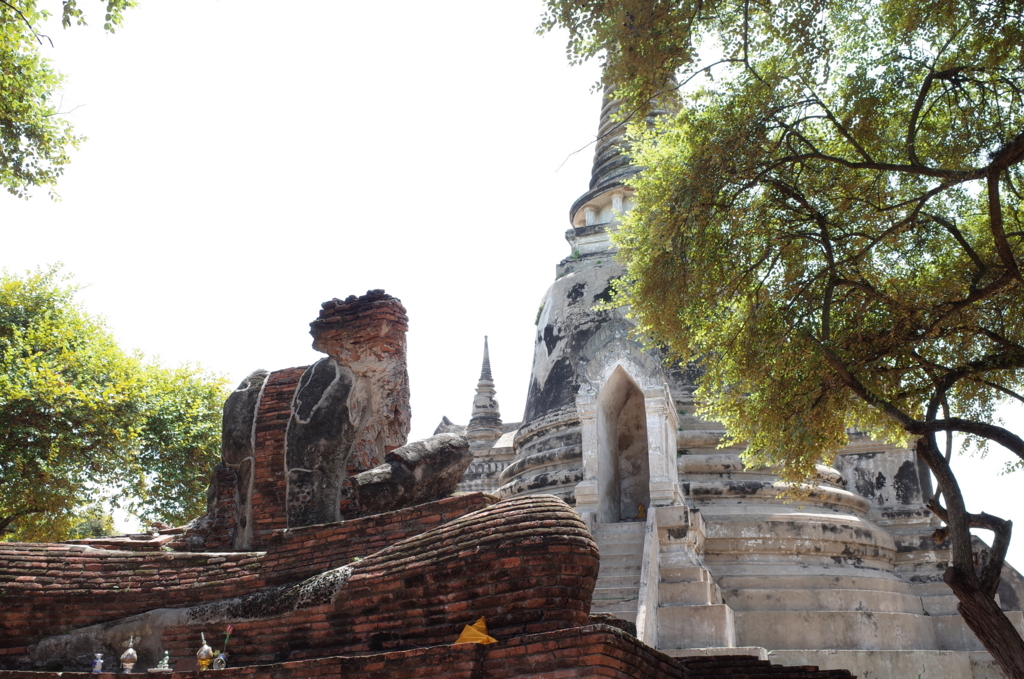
(475,634)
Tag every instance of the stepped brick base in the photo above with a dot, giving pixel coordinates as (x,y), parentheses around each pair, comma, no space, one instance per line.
(588,651)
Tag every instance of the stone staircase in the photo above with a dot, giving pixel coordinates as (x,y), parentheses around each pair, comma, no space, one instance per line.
(691,613)
(618,580)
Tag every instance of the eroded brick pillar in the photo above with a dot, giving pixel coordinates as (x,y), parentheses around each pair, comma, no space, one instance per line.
(350,408)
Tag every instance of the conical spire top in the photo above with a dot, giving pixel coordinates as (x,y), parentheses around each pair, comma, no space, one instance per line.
(485,425)
(612,166)
(485,369)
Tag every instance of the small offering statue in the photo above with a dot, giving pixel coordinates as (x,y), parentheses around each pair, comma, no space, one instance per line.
(163,666)
(129,657)
(97,663)
(205,654)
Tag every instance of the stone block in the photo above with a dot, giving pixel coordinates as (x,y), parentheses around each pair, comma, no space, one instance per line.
(684,573)
(953,634)
(696,626)
(835,629)
(413,474)
(699,593)
(821,599)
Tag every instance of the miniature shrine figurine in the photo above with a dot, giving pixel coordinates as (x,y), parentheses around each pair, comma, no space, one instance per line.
(129,657)
(641,511)
(164,665)
(97,663)
(205,654)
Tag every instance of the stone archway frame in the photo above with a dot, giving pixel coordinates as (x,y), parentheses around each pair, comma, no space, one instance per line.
(611,349)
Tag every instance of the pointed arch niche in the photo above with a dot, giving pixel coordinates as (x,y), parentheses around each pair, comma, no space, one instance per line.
(624,473)
(628,430)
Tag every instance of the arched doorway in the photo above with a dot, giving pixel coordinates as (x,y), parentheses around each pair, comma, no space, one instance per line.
(623,479)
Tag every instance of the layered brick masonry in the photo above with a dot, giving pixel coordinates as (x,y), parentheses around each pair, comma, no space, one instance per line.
(292,439)
(528,565)
(588,651)
(52,588)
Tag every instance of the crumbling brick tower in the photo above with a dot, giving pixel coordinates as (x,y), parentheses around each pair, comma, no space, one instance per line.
(292,438)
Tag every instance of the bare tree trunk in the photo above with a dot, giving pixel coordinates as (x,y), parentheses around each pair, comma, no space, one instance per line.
(989,623)
(976,593)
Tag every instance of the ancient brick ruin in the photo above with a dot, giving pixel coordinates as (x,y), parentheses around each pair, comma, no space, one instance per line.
(335,549)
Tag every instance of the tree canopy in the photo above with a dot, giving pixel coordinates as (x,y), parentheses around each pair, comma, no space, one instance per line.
(34,137)
(81,419)
(831,226)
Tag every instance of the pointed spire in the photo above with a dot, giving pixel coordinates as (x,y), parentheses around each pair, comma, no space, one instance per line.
(485,425)
(612,166)
(485,369)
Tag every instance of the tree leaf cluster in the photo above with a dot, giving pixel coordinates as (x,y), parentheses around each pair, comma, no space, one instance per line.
(831,228)
(81,419)
(35,138)
(831,225)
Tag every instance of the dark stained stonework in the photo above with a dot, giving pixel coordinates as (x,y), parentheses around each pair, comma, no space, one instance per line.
(319,438)
(238,448)
(419,472)
(294,437)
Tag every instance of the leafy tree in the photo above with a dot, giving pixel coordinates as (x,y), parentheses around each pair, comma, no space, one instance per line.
(81,419)
(93,521)
(34,138)
(832,228)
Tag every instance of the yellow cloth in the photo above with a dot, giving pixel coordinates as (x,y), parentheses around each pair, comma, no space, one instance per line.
(475,634)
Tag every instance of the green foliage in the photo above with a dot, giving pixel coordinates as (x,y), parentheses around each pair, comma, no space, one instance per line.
(93,521)
(80,418)
(34,138)
(831,226)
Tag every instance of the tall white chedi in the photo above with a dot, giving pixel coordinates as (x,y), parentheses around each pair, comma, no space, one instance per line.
(697,550)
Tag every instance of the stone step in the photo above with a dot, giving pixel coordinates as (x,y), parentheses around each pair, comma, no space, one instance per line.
(865,630)
(616,593)
(696,626)
(700,593)
(616,529)
(771,576)
(938,588)
(616,570)
(609,560)
(624,610)
(685,574)
(613,548)
(618,581)
(822,600)
(953,634)
(940,605)
(755,651)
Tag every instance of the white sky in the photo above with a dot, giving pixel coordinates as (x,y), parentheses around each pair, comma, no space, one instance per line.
(246,163)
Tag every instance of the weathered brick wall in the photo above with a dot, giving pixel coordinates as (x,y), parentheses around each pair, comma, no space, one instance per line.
(528,565)
(298,553)
(47,589)
(269,484)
